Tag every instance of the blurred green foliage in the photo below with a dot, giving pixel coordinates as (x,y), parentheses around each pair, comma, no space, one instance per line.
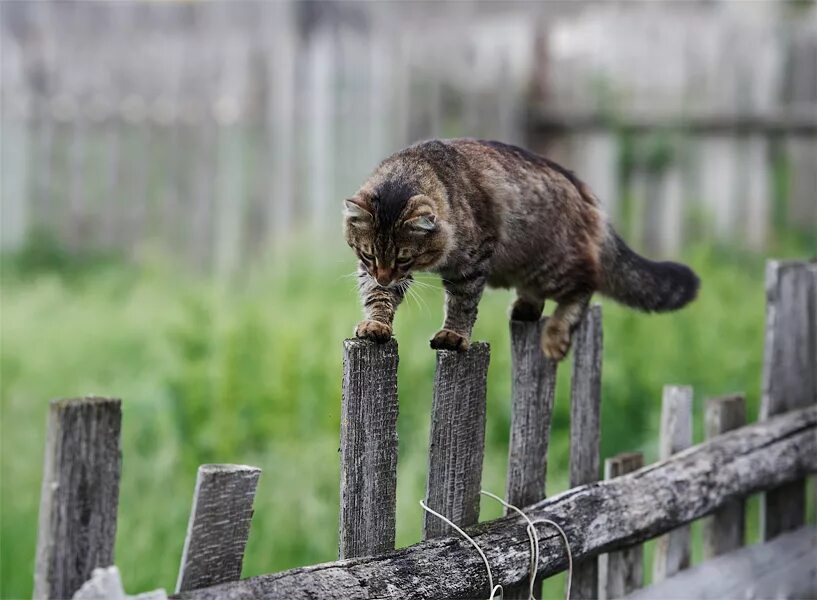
(249,372)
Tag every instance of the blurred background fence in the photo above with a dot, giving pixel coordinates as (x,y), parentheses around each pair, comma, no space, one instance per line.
(220,131)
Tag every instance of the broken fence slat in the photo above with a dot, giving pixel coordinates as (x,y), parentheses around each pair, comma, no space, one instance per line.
(219,526)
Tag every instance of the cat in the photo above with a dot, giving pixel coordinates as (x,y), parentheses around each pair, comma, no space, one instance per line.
(487,213)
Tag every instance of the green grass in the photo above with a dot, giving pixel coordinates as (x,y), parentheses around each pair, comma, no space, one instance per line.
(250,373)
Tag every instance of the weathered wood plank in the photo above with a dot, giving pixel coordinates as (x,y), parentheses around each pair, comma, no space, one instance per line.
(368,448)
(781,568)
(599,517)
(621,572)
(724,530)
(80,494)
(533,389)
(219,526)
(672,551)
(533,386)
(457,440)
(585,418)
(789,372)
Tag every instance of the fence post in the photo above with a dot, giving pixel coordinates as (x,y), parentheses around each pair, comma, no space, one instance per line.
(368,448)
(457,439)
(724,530)
(621,572)
(219,526)
(585,407)
(80,494)
(533,386)
(533,389)
(672,550)
(789,373)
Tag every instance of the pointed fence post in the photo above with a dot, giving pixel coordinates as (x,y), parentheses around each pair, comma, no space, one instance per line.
(621,572)
(789,373)
(368,448)
(672,551)
(585,418)
(457,438)
(80,494)
(533,390)
(724,530)
(219,526)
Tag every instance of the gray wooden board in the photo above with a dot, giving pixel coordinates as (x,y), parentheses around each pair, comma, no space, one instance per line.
(585,419)
(457,438)
(598,517)
(80,494)
(672,551)
(785,567)
(724,530)
(533,390)
(533,386)
(621,572)
(789,372)
(368,448)
(219,525)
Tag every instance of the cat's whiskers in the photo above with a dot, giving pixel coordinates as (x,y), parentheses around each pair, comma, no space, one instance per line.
(418,299)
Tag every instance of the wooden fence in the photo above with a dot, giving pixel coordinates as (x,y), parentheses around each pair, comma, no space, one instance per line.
(605,521)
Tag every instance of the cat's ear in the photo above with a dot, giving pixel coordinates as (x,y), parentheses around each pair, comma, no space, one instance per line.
(427,222)
(421,217)
(357,210)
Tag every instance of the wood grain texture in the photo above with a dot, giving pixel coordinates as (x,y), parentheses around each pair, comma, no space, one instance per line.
(598,517)
(672,551)
(724,530)
(368,448)
(80,494)
(533,387)
(621,572)
(785,567)
(219,526)
(533,390)
(457,441)
(585,433)
(789,372)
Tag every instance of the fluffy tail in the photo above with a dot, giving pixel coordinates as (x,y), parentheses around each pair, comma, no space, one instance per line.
(644,284)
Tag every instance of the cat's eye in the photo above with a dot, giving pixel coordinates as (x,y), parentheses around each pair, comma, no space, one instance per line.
(404,262)
(366,257)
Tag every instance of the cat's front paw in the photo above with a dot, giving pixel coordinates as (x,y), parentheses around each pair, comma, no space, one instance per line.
(445,339)
(555,340)
(373,330)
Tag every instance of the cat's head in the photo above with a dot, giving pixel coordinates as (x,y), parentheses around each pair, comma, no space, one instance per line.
(392,239)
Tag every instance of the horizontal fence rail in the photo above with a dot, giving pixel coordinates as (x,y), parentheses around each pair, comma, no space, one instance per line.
(597,518)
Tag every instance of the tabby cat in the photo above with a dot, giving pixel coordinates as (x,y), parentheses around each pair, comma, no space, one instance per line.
(486,213)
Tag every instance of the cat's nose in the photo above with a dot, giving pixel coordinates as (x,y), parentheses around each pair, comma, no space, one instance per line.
(384,275)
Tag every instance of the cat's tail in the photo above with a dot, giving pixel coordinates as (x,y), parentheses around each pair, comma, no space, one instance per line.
(642,283)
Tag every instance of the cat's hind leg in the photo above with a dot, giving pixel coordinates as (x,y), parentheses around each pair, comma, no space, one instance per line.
(560,326)
(528,306)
